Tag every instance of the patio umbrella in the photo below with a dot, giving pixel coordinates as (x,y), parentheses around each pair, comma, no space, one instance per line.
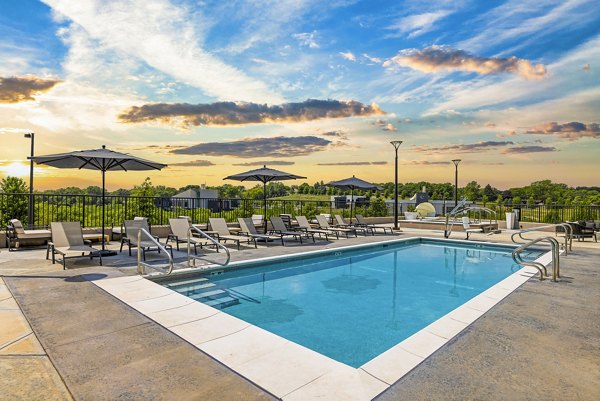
(352,184)
(98,159)
(263,175)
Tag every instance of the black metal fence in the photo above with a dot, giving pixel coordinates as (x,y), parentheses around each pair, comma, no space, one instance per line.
(87,209)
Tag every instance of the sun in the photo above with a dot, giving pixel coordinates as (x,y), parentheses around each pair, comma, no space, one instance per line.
(16,169)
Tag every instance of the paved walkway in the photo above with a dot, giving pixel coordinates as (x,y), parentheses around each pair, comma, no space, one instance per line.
(541,342)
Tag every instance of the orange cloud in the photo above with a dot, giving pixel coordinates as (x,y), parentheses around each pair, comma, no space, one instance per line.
(15,89)
(442,58)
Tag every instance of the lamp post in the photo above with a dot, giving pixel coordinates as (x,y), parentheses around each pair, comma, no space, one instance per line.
(396,145)
(456,161)
(30,211)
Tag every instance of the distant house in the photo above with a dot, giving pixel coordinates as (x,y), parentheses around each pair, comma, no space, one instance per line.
(202,199)
(194,199)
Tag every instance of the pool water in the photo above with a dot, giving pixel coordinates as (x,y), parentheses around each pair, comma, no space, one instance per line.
(354,305)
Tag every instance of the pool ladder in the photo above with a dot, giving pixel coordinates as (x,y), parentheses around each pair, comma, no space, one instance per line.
(568,230)
(516,255)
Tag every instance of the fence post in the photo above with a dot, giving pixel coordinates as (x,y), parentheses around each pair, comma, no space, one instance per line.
(83,211)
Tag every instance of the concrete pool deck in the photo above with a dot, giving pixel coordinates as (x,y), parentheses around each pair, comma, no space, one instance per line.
(540,329)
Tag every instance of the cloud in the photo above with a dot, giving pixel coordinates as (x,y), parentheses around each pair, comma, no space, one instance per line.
(390,127)
(193,163)
(442,58)
(424,163)
(237,113)
(22,89)
(266,163)
(572,131)
(375,60)
(586,67)
(352,163)
(307,39)
(528,149)
(336,134)
(348,56)
(417,24)
(462,148)
(166,37)
(259,147)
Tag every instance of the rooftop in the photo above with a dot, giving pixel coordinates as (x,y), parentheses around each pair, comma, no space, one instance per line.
(69,339)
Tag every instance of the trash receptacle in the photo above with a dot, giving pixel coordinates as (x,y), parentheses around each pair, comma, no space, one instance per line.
(517,219)
(510,220)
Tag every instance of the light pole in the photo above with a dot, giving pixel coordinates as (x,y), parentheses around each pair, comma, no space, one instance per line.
(396,145)
(456,161)
(30,211)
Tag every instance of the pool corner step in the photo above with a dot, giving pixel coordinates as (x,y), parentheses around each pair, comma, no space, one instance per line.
(216,298)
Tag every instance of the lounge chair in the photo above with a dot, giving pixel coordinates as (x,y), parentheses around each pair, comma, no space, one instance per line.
(280,228)
(249,230)
(304,225)
(15,233)
(361,222)
(324,225)
(287,220)
(581,231)
(258,220)
(219,225)
(67,241)
(179,234)
(132,228)
(341,223)
(467,228)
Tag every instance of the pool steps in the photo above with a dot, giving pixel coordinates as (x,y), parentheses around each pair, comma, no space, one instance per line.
(202,290)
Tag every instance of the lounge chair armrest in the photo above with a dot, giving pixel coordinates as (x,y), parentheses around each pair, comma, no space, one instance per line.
(87,241)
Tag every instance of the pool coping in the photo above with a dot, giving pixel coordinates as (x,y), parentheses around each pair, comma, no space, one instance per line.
(288,370)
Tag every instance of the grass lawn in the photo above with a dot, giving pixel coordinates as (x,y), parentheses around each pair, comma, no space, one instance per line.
(303,197)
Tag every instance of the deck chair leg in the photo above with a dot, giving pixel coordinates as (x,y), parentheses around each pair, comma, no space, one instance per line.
(255,245)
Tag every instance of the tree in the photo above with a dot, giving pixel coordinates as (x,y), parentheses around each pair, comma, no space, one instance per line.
(378,207)
(13,206)
(490,192)
(472,191)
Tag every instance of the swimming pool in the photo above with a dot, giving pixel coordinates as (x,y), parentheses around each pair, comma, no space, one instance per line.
(353,305)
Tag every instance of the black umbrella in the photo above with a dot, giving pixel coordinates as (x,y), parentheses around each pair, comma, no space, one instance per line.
(263,175)
(98,159)
(352,184)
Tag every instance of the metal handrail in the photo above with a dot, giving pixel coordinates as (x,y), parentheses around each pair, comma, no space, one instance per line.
(142,265)
(516,255)
(211,239)
(461,208)
(568,234)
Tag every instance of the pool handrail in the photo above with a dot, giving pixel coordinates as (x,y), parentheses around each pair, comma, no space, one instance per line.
(516,255)
(566,226)
(461,208)
(142,265)
(191,259)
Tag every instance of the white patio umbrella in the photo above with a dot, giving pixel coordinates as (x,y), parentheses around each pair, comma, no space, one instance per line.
(98,159)
(352,183)
(263,175)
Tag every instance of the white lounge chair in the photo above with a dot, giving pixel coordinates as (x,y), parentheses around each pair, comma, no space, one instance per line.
(280,228)
(179,234)
(16,233)
(249,230)
(219,225)
(67,241)
(304,225)
(341,223)
(468,229)
(361,222)
(324,224)
(132,229)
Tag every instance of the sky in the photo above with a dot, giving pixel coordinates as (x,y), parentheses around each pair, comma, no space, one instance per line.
(318,89)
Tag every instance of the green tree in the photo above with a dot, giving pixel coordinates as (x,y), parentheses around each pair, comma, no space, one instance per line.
(13,206)
(472,191)
(378,207)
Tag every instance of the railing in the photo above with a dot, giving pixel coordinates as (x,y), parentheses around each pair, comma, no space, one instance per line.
(142,265)
(191,259)
(466,210)
(87,209)
(516,255)
(568,234)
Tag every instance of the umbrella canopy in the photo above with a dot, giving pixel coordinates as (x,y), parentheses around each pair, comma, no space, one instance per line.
(98,159)
(263,175)
(352,183)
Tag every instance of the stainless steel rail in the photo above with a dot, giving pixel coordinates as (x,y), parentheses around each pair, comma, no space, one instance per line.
(142,265)
(191,259)
(516,255)
(461,208)
(566,226)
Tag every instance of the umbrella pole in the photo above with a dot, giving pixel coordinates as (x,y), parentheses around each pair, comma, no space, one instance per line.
(351,202)
(265,206)
(103,203)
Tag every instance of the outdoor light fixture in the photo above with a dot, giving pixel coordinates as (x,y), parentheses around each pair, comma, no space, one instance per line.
(30,211)
(396,145)
(456,161)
